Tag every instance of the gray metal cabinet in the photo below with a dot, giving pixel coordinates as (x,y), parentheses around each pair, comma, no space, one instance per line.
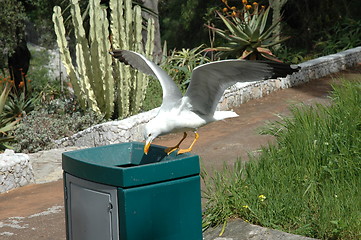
(92,210)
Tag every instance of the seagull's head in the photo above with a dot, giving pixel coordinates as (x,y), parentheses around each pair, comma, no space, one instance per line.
(150,133)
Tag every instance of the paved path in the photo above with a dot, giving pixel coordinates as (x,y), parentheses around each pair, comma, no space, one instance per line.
(37,212)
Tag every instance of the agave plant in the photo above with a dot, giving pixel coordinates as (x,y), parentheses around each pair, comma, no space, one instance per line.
(17,107)
(5,91)
(248,35)
(5,126)
(4,137)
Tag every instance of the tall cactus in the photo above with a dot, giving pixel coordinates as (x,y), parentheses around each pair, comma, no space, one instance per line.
(126,27)
(276,6)
(99,82)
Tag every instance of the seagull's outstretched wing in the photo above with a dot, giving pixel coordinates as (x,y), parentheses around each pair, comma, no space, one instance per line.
(171,93)
(209,81)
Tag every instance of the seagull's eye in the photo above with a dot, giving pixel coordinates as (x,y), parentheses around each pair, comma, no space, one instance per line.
(149,134)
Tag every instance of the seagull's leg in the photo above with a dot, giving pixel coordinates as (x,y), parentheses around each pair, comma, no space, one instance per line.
(172,149)
(196,136)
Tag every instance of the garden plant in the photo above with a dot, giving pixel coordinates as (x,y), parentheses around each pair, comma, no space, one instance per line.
(248,36)
(6,125)
(308,182)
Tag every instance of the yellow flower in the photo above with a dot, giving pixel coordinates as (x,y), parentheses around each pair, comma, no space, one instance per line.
(262,197)
(245,206)
(225,9)
(244,2)
(248,7)
(233,8)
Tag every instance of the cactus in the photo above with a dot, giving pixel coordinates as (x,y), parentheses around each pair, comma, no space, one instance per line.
(65,54)
(276,6)
(99,82)
(126,27)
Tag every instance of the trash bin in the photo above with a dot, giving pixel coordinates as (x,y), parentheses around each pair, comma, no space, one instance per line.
(118,192)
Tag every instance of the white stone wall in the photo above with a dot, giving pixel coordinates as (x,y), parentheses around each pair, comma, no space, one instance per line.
(130,129)
(126,130)
(15,170)
(313,69)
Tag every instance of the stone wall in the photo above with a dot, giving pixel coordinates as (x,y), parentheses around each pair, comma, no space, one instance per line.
(15,170)
(126,130)
(313,69)
(130,129)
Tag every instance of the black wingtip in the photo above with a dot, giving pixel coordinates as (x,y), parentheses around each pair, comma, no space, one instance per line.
(134,60)
(118,54)
(282,69)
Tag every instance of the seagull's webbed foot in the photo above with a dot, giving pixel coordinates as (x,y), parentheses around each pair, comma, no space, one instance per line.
(196,136)
(172,149)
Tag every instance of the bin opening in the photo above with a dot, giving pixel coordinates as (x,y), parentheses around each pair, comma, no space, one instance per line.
(127,165)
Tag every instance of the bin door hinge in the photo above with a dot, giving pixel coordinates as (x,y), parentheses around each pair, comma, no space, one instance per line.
(66,193)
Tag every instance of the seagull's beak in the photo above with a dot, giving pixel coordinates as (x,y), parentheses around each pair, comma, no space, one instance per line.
(146,147)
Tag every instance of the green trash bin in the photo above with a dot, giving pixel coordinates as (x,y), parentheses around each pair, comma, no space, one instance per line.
(118,192)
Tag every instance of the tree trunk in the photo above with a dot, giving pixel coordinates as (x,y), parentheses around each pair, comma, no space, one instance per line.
(153,6)
(18,64)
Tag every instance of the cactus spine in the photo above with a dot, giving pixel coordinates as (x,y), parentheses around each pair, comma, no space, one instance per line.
(99,82)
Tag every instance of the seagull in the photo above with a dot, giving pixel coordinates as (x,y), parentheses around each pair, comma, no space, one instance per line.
(197,107)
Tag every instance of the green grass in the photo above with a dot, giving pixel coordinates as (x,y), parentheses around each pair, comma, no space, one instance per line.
(309,183)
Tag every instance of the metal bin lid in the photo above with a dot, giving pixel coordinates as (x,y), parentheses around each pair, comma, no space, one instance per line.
(125,164)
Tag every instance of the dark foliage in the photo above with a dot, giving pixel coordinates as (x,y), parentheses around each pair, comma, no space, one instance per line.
(307,21)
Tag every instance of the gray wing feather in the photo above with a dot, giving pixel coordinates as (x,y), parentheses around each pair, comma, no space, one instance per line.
(171,93)
(209,81)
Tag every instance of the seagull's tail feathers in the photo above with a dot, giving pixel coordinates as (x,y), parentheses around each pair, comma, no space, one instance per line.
(220,115)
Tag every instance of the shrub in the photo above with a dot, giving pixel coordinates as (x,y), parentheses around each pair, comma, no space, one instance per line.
(38,130)
(341,36)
